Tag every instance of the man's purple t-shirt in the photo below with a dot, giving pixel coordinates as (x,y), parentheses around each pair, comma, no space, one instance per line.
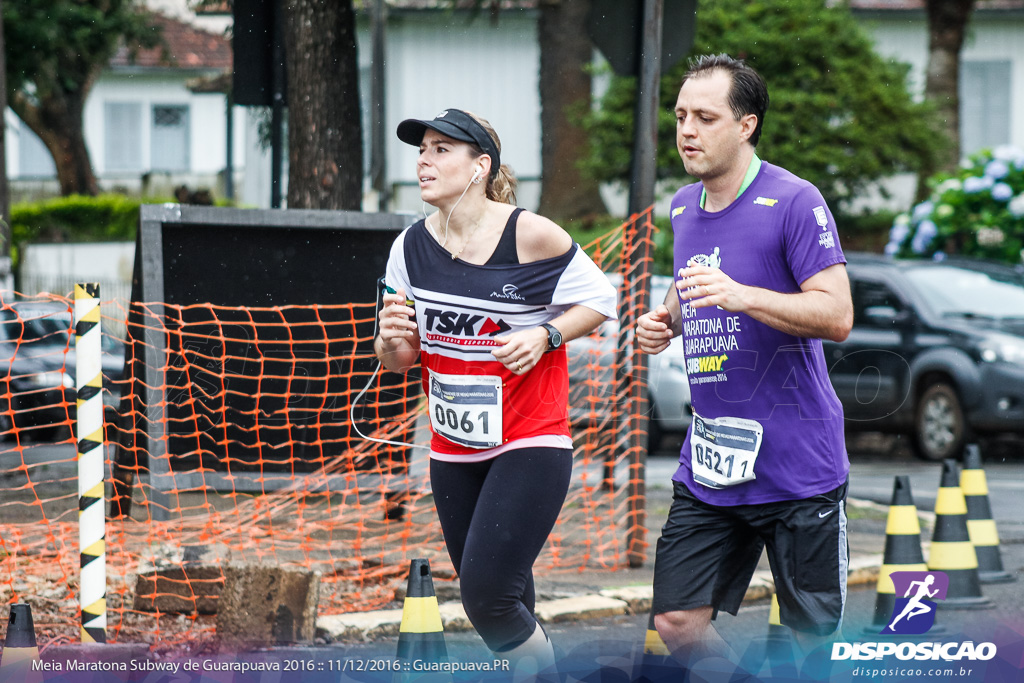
(772,388)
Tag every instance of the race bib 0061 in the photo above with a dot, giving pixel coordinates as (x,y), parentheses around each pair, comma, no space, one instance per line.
(723,451)
(466,409)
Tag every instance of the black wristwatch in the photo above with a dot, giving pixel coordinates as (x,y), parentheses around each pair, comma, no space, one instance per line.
(554,336)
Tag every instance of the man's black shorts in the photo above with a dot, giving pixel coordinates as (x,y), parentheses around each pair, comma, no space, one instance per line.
(707,555)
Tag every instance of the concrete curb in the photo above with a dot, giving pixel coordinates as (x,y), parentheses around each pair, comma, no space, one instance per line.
(605,603)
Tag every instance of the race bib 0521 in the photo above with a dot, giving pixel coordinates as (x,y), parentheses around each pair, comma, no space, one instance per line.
(723,451)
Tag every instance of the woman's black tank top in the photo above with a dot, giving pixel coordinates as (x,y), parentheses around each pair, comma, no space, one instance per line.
(505,253)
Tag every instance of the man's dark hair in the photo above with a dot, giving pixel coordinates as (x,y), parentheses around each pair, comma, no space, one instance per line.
(748,94)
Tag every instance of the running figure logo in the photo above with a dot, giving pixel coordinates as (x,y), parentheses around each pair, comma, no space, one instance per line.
(914,613)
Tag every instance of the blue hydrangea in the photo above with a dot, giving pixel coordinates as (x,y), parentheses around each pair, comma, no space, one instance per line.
(996,169)
(926,232)
(898,232)
(975,184)
(922,211)
(1002,192)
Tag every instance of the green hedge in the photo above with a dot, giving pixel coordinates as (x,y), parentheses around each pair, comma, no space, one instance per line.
(106,218)
(78,218)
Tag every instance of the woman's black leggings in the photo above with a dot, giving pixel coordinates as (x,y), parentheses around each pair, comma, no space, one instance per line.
(496,516)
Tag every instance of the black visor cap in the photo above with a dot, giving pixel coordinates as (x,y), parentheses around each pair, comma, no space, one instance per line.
(455,124)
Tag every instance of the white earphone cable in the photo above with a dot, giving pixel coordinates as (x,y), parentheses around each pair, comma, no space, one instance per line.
(359,396)
(448,219)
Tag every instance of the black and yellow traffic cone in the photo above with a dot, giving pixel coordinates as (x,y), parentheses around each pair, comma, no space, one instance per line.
(655,663)
(19,660)
(421,635)
(952,551)
(779,644)
(902,551)
(980,525)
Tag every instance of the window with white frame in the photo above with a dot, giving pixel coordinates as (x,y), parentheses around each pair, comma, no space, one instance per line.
(984,105)
(34,160)
(170,138)
(122,124)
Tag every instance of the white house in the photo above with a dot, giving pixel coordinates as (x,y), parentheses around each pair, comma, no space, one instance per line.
(147,130)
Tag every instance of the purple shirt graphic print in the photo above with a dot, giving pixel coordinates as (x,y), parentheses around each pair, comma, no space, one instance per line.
(775,235)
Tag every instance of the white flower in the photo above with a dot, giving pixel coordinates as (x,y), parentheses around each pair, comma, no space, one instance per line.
(1007,153)
(1016,205)
(943,211)
(953,184)
(902,219)
(990,237)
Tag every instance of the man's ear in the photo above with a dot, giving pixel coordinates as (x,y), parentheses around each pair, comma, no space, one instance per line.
(748,124)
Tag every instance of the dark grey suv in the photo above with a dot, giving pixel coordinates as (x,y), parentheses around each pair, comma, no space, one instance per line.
(936,351)
(37,370)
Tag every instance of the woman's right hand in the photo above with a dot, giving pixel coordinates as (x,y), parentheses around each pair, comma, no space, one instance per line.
(397,319)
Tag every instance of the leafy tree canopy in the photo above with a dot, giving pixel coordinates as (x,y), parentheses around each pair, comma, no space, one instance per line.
(840,115)
(60,45)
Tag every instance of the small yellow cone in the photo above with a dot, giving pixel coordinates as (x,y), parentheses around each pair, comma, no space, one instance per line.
(421,635)
(20,657)
(655,663)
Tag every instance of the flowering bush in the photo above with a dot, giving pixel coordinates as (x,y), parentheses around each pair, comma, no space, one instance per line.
(978,212)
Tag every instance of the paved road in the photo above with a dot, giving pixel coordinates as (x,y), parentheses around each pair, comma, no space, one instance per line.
(614,641)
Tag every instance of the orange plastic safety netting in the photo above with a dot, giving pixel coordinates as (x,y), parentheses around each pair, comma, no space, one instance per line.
(230,439)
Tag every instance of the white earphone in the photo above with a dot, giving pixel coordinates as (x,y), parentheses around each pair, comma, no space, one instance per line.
(476,174)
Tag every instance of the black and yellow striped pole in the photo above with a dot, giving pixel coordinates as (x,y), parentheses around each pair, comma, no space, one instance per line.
(902,551)
(421,635)
(980,525)
(20,656)
(952,551)
(91,522)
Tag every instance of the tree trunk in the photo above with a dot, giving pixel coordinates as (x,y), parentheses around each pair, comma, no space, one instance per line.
(565,52)
(325,150)
(57,120)
(5,195)
(947,25)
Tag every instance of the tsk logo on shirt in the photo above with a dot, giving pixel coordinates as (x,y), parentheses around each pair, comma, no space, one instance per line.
(458,327)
